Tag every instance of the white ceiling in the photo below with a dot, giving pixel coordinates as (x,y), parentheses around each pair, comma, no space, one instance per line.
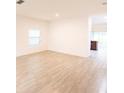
(47,9)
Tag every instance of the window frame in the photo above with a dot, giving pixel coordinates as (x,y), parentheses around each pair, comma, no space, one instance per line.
(34,37)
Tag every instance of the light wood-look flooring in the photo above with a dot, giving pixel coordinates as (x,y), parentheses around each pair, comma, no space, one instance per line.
(51,72)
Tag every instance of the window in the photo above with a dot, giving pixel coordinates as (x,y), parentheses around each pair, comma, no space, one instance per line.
(101,37)
(34,37)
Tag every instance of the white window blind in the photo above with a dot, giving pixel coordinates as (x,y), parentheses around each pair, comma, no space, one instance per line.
(34,37)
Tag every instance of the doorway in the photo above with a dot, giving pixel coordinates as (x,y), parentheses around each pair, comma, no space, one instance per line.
(98,37)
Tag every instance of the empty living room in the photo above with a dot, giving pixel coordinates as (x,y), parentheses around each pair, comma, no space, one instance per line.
(61,46)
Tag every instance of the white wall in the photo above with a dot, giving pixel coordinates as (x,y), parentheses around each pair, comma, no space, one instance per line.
(24,24)
(99,27)
(70,36)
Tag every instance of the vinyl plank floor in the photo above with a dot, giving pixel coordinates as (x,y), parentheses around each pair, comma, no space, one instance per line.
(52,72)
